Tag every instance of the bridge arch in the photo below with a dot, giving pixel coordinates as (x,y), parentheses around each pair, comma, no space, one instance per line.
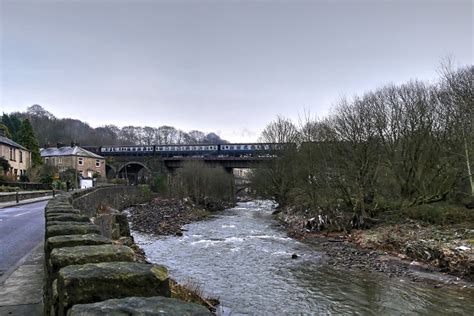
(135,172)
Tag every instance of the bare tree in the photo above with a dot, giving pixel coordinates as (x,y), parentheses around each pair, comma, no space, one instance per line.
(281,130)
(357,154)
(459,101)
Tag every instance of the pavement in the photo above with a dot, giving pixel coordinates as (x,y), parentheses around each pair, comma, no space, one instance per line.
(21,293)
(21,258)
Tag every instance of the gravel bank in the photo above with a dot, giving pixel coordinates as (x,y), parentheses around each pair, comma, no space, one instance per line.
(165,216)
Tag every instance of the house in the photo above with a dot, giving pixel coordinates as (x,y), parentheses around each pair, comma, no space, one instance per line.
(74,157)
(17,156)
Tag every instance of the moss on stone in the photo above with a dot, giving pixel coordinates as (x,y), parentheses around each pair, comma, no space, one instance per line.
(71,229)
(121,278)
(160,272)
(62,257)
(150,306)
(52,223)
(67,217)
(93,282)
(75,240)
(61,211)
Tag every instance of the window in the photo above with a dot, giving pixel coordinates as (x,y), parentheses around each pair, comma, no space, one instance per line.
(97,163)
(12,154)
(21,156)
(80,161)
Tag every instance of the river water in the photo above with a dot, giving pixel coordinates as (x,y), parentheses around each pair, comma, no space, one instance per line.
(243,257)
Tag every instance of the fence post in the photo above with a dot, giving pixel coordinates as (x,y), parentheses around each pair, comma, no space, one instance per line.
(17,197)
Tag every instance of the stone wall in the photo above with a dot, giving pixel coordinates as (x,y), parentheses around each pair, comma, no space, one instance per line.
(11,196)
(117,197)
(87,273)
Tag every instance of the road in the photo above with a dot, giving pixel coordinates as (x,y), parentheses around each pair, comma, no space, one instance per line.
(21,229)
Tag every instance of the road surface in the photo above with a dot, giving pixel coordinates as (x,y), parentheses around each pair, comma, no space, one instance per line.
(21,229)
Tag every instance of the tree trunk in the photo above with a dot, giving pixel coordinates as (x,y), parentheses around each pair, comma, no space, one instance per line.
(468,163)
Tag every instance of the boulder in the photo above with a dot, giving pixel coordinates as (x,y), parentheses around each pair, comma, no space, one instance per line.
(71,229)
(74,240)
(150,306)
(94,282)
(62,257)
(113,225)
(67,217)
(58,211)
(52,223)
(52,206)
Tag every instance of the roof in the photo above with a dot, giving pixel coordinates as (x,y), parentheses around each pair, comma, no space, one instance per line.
(68,151)
(9,142)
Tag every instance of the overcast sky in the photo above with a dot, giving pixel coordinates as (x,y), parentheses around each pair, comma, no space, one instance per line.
(223,66)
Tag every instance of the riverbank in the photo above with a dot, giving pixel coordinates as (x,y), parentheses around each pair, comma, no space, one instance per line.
(442,255)
(163,216)
(167,216)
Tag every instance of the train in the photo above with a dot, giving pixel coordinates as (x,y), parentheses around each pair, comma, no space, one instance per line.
(176,150)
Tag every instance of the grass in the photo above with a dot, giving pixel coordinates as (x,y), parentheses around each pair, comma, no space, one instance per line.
(191,291)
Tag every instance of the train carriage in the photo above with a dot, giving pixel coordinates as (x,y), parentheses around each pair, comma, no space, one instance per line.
(196,150)
(186,150)
(249,149)
(127,150)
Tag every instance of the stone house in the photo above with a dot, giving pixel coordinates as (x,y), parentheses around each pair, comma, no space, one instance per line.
(74,157)
(18,157)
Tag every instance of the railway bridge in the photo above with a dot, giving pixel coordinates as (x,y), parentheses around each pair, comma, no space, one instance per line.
(137,169)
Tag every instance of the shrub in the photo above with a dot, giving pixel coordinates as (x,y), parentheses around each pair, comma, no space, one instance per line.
(203,184)
(118,181)
(158,184)
(441,213)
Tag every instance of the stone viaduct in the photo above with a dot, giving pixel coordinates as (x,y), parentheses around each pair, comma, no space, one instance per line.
(138,168)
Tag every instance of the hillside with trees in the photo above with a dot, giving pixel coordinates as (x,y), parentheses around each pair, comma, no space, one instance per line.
(52,130)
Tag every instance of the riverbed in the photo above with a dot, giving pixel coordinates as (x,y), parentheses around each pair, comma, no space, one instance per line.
(244,257)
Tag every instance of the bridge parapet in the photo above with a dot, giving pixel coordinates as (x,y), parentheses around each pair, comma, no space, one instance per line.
(85,271)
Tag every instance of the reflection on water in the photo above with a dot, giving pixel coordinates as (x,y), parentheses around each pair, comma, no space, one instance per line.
(243,257)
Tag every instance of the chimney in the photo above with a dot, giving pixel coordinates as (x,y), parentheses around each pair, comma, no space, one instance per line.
(2,131)
(59,145)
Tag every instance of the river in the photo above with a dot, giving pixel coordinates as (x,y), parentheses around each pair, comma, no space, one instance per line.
(243,257)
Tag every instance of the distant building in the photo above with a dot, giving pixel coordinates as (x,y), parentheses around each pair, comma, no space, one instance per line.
(18,157)
(74,157)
